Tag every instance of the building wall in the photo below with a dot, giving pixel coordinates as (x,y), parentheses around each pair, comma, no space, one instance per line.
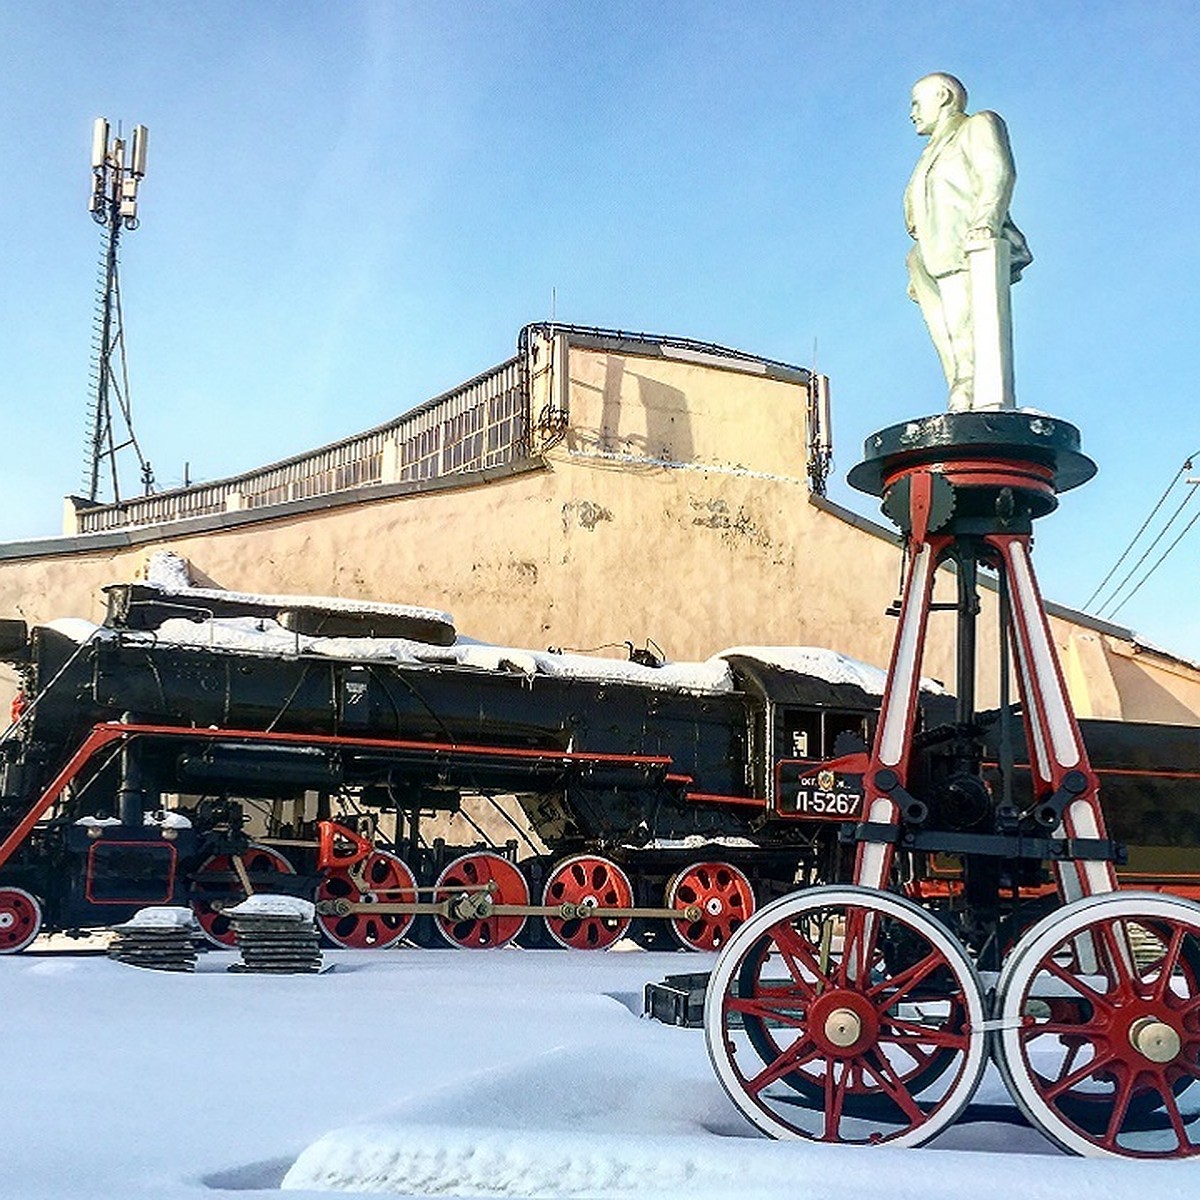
(673,508)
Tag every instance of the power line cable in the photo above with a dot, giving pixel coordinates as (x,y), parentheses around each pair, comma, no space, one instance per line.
(1146,554)
(1187,466)
(1158,564)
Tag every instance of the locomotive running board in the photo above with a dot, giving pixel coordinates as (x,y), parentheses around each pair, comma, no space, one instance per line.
(117,731)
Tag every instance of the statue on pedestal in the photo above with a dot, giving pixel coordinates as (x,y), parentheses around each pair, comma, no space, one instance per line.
(967,250)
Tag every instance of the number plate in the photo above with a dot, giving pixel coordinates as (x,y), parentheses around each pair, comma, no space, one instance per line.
(812,792)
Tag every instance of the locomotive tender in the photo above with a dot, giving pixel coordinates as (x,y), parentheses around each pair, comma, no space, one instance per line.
(200,745)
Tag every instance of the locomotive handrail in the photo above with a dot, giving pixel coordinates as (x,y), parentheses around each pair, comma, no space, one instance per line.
(30,707)
(111,731)
(101,736)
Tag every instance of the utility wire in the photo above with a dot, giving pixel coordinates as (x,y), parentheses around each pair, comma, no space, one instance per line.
(1146,554)
(1195,518)
(1187,466)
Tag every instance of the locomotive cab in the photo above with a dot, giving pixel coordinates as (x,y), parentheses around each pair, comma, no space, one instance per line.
(807,708)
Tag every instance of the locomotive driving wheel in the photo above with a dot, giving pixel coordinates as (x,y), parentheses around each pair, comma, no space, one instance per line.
(588,881)
(220,877)
(380,878)
(844,1014)
(20,919)
(723,896)
(1099,1010)
(474,884)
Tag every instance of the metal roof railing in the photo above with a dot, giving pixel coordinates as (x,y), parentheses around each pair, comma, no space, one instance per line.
(483,423)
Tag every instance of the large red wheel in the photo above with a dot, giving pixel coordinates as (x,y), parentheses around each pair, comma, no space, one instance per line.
(723,897)
(20,919)
(588,881)
(844,1014)
(474,884)
(1099,1007)
(380,878)
(218,877)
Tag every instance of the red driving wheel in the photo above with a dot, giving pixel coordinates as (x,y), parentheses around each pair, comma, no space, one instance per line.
(219,877)
(475,883)
(723,896)
(20,919)
(380,878)
(588,881)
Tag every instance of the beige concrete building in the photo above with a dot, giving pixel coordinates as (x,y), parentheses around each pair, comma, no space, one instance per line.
(598,488)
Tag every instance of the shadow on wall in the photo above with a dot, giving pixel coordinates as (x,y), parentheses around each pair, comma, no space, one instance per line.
(662,410)
(1143,698)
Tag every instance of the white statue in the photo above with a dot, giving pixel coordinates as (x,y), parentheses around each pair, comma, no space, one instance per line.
(967,249)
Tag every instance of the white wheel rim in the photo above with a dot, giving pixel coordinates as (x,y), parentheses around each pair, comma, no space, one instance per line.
(9,920)
(1024,968)
(963,1075)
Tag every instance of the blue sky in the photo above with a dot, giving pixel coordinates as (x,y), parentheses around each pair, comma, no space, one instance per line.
(351,207)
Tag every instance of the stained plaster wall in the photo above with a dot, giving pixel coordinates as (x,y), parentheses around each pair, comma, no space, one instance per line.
(673,509)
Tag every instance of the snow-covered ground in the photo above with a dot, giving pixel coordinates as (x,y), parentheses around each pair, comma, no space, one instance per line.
(510,1073)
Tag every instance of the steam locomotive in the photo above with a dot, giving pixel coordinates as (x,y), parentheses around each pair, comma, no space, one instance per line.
(201,745)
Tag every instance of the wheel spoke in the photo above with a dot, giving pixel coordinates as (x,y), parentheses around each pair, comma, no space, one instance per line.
(1065,1082)
(1087,992)
(1168,963)
(1073,1052)
(766,1010)
(883,1071)
(797,954)
(1173,1114)
(790,1060)
(900,985)
(835,1099)
(1116,1120)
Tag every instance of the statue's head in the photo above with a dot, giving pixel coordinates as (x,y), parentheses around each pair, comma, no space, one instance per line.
(934,97)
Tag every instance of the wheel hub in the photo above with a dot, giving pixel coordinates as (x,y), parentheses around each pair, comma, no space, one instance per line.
(842,1023)
(843,1028)
(7,920)
(713,906)
(472,907)
(1155,1040)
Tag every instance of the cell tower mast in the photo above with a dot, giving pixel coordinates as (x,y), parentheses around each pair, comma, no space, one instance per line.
(117,169)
